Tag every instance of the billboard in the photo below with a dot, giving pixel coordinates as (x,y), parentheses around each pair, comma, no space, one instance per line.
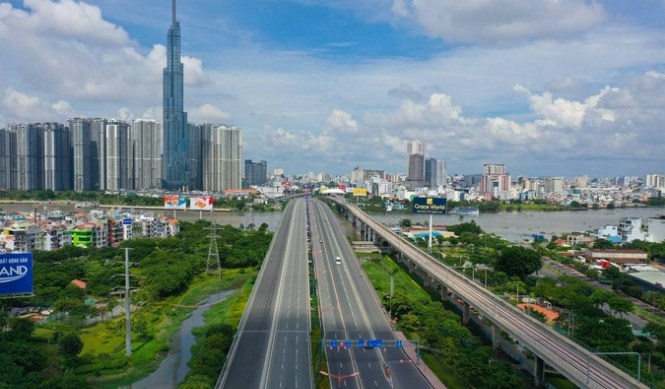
(433,205)
(15,273)
(175,202)
(201,203)
(359,192)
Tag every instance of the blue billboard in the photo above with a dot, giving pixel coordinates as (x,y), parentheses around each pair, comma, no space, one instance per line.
(433,205)
(15,273)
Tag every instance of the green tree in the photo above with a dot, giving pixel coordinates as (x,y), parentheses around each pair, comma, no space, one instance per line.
(518,261)
(600,244)
(70,346)
(470,227)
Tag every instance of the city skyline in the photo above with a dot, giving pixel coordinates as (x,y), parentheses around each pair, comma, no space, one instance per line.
(577,90)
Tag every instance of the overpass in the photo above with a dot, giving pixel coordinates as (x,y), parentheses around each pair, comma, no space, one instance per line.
(579,365)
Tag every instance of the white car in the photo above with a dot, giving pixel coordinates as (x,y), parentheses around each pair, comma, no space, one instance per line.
(338,260)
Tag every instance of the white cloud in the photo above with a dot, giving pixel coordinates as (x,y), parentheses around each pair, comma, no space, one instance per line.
(125,114)
(63,108)
(438,111)
(66,48)
(340,122)
(501,21)
(21,106)
(208,113)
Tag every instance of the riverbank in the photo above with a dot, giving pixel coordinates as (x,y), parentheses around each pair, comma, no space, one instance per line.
(103,360)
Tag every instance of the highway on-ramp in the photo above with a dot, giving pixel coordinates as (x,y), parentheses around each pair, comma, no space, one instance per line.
(272,346)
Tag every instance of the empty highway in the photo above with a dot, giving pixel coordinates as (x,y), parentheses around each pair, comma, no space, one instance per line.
(351,311)
(272,346)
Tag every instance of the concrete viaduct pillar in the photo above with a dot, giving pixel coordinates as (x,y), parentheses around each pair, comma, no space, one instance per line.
(539,371)
(444,292)
(496,337)
(466,313)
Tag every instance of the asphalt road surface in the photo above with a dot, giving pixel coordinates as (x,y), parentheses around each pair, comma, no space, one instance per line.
(351,311)
(272,346)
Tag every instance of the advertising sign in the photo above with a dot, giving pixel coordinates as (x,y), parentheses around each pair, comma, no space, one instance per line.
(202,203)
(15,273)
(175,202)
(433,205)
(127,221)
(359,192)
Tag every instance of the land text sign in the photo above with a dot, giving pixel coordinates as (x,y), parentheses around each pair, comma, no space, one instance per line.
(435,205)
(15,273)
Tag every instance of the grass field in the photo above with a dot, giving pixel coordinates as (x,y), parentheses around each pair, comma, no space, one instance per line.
(103,358)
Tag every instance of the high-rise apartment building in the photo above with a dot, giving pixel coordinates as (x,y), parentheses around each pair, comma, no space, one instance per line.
(81,137)
(146,139)
(175,163)
(495,182)
(554,185)
(98,153)
(29,145)
(256,173)
(119,169)
(441,178)
(56,156)
(195,162)
(222,157)
(431,165)
(7,159)
(415,163)
(655,181)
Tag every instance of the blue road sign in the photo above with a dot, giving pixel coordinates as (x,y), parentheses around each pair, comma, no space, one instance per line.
(333,343)
(375,343)
(348,343)
(399,343)
(361,343)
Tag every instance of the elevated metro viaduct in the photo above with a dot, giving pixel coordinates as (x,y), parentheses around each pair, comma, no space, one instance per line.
(580,366)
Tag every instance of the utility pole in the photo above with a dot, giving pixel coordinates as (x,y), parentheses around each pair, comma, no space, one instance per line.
(128,309)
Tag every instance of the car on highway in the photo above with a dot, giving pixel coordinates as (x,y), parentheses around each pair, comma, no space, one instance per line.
(338,260)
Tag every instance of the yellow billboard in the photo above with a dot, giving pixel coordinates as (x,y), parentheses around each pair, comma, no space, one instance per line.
(359,192)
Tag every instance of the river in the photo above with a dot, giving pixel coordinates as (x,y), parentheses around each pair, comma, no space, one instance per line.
(513,226)
(173,369)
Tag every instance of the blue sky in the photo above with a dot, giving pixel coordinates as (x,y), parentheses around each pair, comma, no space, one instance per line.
(549,87)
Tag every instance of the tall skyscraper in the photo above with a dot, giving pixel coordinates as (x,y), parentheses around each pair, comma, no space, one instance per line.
(146,139)
(415,163)
(175,161)
(222,158)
